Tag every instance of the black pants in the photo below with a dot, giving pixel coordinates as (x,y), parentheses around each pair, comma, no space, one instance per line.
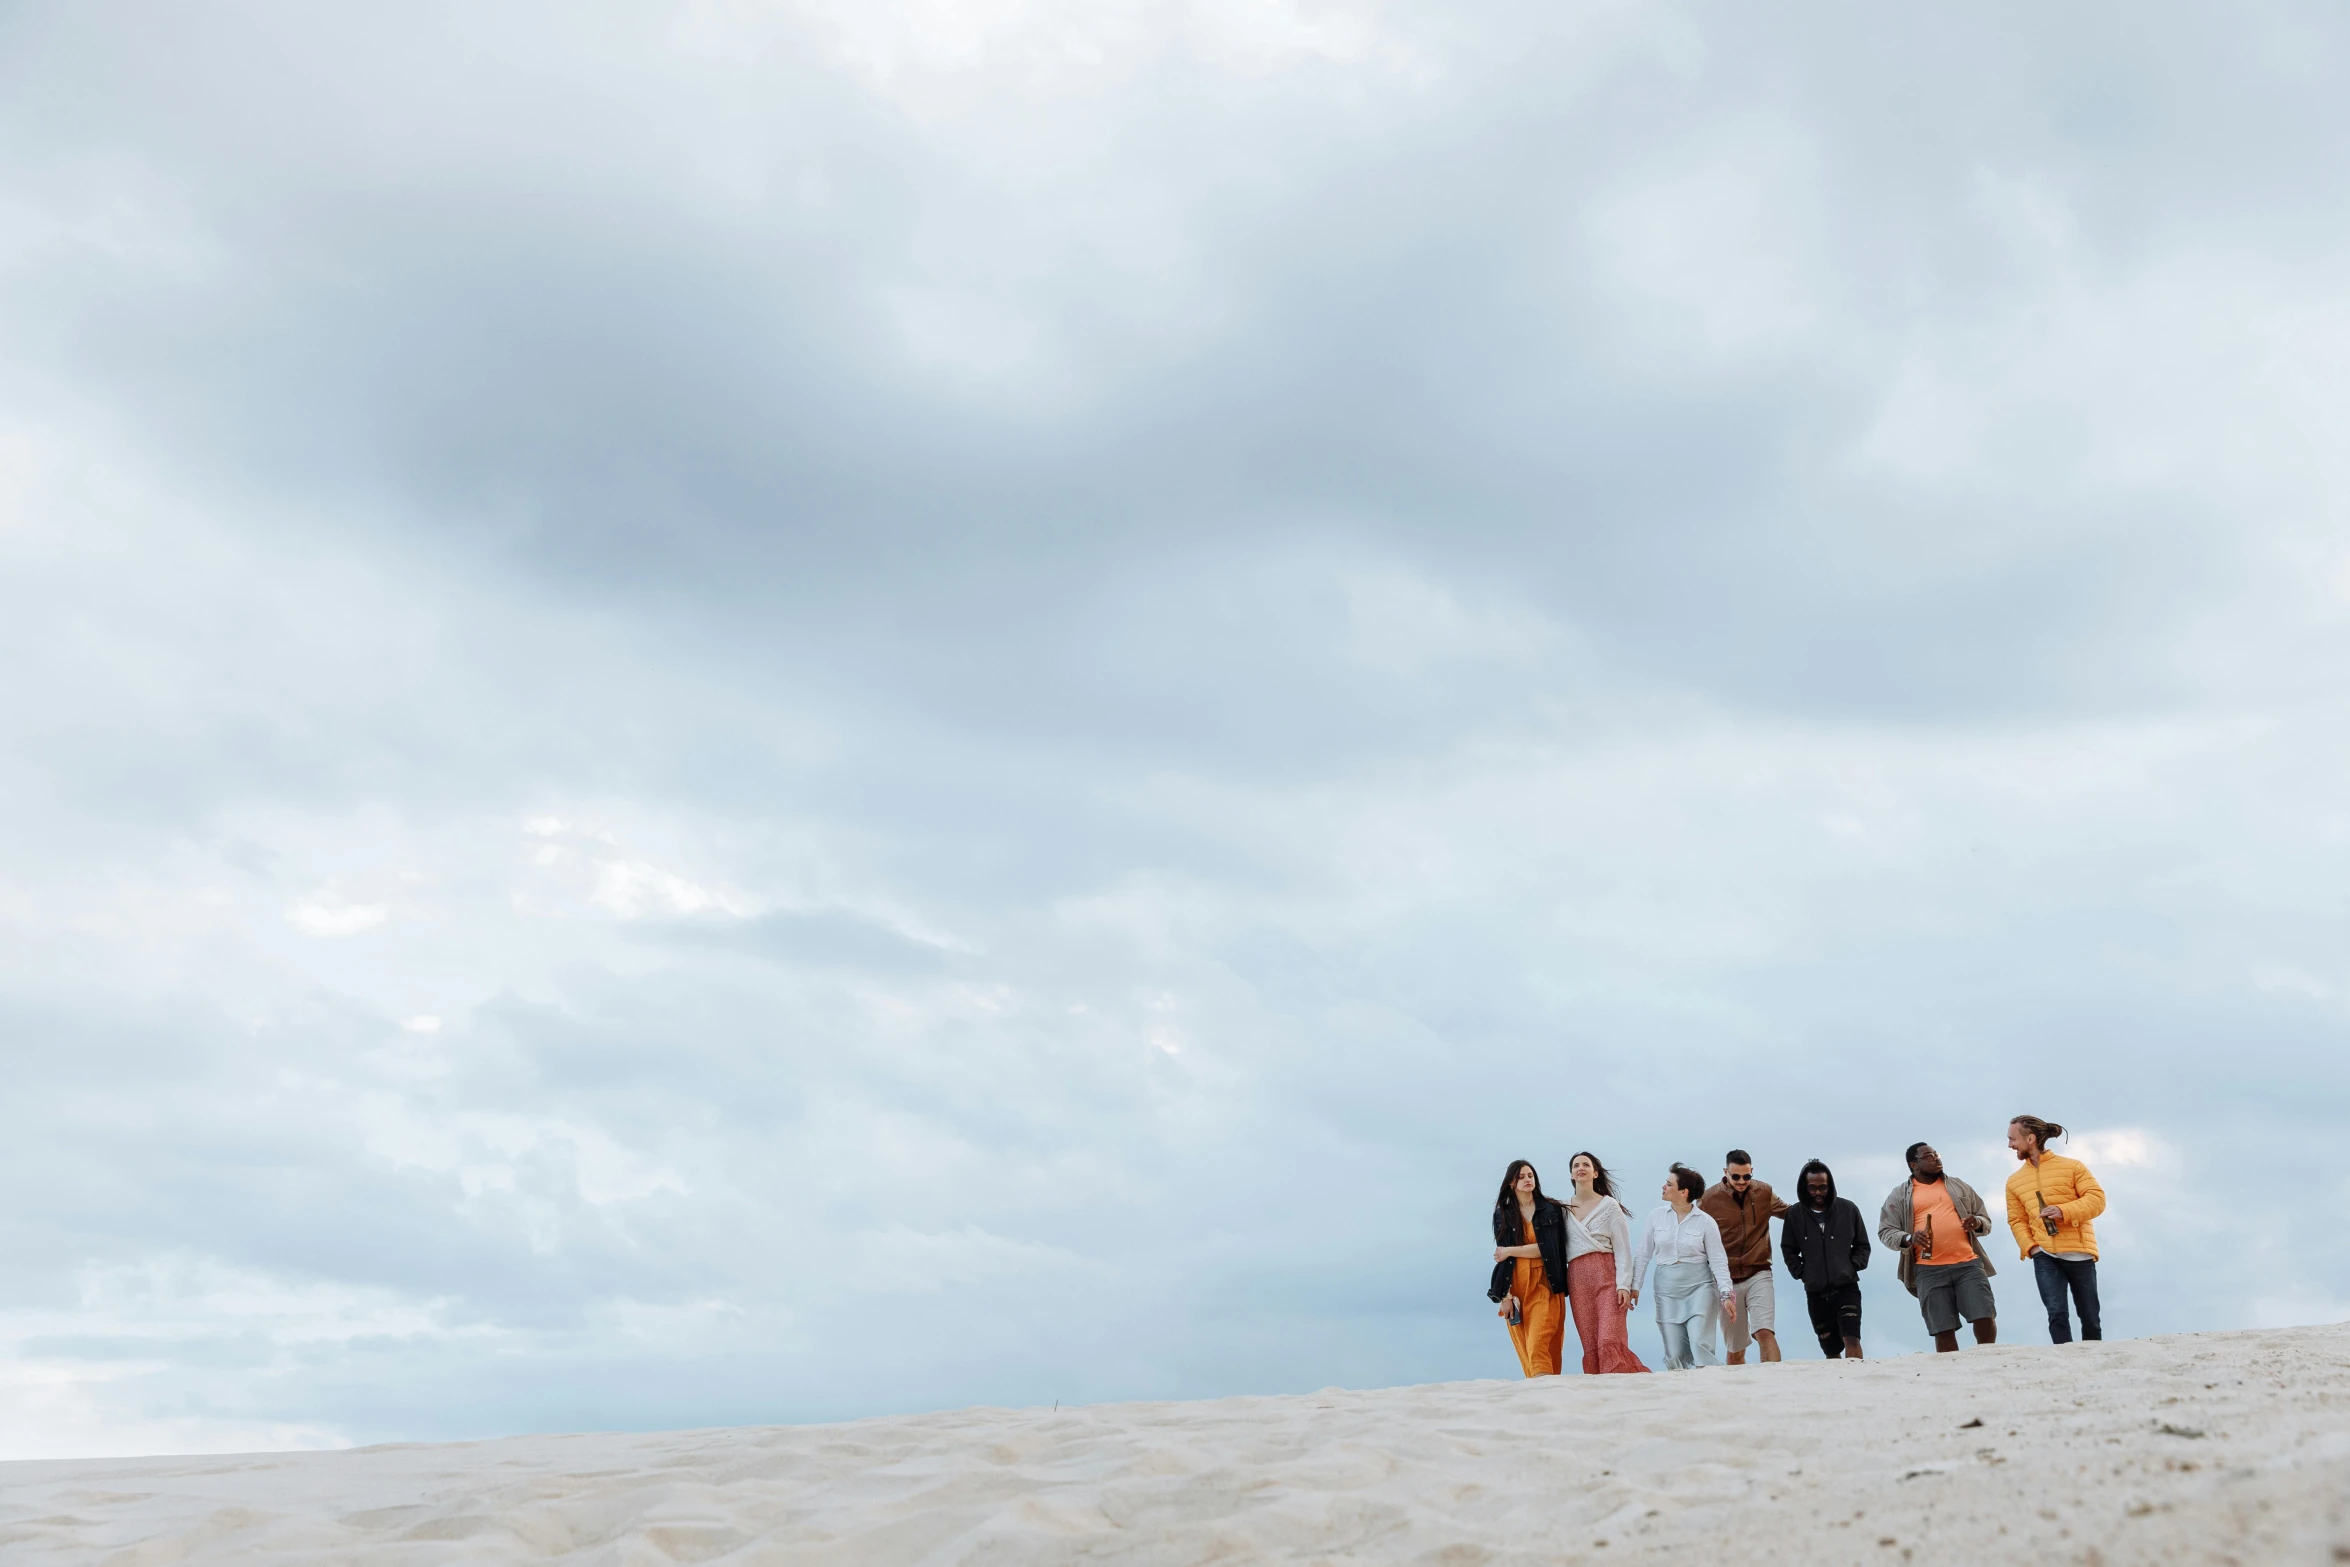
(2053,1274)
(1835,1316)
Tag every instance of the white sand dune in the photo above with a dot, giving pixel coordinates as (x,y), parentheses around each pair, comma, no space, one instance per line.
(2230,1447)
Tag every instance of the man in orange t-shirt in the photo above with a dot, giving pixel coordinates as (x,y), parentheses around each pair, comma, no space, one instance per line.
(1931,1220)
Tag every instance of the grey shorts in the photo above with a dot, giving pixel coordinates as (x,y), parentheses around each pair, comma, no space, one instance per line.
(1954,1291)
(1758,1308)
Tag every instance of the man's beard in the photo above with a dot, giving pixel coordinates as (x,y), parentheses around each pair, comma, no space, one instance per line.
(1920,1175)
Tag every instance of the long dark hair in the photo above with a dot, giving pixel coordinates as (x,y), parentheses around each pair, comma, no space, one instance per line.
(1600,1182)
(1507,1202)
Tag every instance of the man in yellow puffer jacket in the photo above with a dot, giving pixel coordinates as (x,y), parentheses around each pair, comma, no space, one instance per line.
(2050,1201)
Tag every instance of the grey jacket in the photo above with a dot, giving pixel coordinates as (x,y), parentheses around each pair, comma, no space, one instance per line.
(1893,1222)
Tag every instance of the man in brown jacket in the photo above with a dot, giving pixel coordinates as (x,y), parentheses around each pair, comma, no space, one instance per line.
(1744,1207)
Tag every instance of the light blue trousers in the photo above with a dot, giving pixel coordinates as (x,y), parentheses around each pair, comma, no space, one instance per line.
(1688,1308)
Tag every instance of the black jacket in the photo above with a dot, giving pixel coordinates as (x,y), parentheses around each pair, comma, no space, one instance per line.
(1550,1233)
(1824,1262)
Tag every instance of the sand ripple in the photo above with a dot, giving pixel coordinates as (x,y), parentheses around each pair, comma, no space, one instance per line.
(2198,1448)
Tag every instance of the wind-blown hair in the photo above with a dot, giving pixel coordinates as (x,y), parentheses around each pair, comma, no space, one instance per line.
(1691,1182)
(1600,1180)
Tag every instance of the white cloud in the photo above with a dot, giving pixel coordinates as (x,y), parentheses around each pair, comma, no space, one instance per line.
(2119,1148)
(590,865)
(499,1160)
(2302,1306)
(1717,255)
(934,58)
(1091,613)
(1404,622)
(61,1408)
(331,918)
(25,464)
(156,1315)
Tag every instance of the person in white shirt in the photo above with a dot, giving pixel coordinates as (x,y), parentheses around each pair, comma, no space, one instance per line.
(1599,1268)
(1692,1272)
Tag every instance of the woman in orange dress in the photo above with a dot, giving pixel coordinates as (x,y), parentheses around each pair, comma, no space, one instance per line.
(1530,1231)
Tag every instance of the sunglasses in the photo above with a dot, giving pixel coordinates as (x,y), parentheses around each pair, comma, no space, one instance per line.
(1738,1180)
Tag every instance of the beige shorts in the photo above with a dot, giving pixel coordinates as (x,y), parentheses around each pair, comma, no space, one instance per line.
(1758,1308)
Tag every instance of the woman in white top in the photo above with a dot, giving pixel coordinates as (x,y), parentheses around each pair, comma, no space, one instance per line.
(1599,1268)
(1692,1272)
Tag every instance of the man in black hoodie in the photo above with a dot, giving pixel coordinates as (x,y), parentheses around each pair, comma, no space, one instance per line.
(1825,1244)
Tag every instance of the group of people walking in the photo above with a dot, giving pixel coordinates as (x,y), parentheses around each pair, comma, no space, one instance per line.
(1710,1251)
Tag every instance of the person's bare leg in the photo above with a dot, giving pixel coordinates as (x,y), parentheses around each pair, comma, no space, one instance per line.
(1768,1342)
(1738,1357)
(1946,1343)
(1986,1331)
(1852,1349)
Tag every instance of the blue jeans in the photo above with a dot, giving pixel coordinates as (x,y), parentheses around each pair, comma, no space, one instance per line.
(2053,1274)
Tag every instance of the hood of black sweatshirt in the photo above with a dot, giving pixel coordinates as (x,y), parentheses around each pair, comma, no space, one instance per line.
(1803,1189)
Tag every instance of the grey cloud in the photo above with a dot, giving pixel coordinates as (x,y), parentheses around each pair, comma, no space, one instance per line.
(1641,582)
(611,388)
(814,937)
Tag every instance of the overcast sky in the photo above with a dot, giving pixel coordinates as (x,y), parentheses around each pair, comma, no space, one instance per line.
(745,712)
